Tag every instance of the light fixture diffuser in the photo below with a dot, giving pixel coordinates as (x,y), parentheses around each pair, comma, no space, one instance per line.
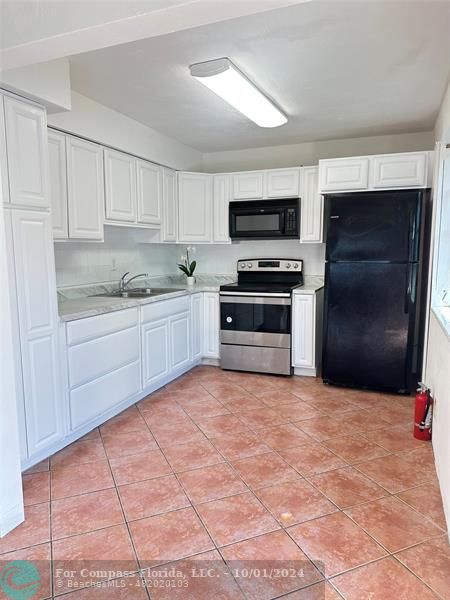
(227,81)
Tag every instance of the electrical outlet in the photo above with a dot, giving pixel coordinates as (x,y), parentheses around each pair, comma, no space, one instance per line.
(113,264)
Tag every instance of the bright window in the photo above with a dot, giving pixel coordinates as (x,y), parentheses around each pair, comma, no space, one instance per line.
(441,292)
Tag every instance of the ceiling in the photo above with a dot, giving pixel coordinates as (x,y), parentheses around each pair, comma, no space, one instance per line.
(24,21)
(337,69)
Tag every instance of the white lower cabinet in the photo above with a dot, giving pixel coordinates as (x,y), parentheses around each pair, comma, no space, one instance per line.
(32,270)
(155,352)
(211,325)
(180,342)
(307,332)
(166,340)
(103,361)
(197,326)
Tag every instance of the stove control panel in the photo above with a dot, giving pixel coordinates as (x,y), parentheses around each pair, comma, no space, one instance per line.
(270,264)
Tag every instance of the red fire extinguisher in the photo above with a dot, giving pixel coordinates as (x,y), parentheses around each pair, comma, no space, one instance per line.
(423,413)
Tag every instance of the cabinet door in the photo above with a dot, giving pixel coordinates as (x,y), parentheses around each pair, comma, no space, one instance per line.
(303,330)
(58,184)
(26,139)
(85,189)
(311,219)
(37,311)
(169,208)
(180,341)
(399,170)
(283,183)
(194,207)
(222,193)
(342,174)
(211,321)
(149,192)
(3,156)
(197,326)
(155,352)
(247,185)
(120,186)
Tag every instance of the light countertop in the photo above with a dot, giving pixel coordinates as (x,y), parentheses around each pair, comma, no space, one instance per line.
(82,302)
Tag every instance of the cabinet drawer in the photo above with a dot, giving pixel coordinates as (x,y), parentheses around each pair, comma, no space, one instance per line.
(165,308)
(93,399)
(343,174)
(399,170)
(94,327)
(102,355)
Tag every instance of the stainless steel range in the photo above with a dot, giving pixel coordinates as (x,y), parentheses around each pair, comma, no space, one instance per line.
(255,316)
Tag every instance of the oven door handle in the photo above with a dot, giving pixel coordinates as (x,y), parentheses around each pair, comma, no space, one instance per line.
(243,298)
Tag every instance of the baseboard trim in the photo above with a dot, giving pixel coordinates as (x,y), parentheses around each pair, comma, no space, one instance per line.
(305,371)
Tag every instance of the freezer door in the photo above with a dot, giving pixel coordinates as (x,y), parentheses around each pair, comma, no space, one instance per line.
(373,226)
(369,321)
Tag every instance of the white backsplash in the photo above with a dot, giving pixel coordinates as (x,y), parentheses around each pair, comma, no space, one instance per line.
(84,263)
(223,258)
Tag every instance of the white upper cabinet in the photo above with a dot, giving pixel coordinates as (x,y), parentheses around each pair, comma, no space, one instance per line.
(377,172)
(120,186)
(342,174)
(311,203)
(222,196)
(58,184)
(26,135)
(282,183)
(169,206)
(85,189)
(194,207)
(248,185)
(399,170)
(149,192)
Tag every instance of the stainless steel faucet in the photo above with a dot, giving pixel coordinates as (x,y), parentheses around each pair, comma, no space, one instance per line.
(123,285)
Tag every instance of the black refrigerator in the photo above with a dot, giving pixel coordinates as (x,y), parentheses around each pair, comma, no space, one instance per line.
(375,282)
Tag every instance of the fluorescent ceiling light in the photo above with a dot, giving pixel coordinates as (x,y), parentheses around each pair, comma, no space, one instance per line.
(223,78)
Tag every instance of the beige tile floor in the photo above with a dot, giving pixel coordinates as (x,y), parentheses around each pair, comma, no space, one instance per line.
(251,486)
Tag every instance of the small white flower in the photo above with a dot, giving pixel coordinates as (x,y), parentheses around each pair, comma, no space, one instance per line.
(183,257)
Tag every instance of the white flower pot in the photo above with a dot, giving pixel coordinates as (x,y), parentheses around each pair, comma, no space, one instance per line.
(190,280)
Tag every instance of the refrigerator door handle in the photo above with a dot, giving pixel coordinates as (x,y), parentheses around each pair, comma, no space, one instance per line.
(411,281)
(408,289)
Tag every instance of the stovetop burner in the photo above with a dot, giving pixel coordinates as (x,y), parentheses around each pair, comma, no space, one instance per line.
(267,275)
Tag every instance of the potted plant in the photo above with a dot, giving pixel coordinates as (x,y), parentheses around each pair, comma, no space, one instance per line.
(187,266)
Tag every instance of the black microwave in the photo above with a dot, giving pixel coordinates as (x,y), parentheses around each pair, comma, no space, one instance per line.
(264,219)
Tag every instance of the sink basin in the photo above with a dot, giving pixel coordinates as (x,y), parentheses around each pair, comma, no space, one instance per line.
(139,293)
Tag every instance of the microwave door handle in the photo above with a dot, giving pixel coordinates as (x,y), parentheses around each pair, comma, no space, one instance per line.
(282,214)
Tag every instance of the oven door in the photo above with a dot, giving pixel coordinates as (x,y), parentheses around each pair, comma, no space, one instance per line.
(255,321)
(250,221)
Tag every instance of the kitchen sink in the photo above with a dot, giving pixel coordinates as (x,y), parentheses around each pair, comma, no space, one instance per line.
(139,293)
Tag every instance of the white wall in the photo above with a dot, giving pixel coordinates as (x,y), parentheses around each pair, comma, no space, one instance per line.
(309,153)
(104,125)
(80,263)
(437,375)
(222,259)
(47,83)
